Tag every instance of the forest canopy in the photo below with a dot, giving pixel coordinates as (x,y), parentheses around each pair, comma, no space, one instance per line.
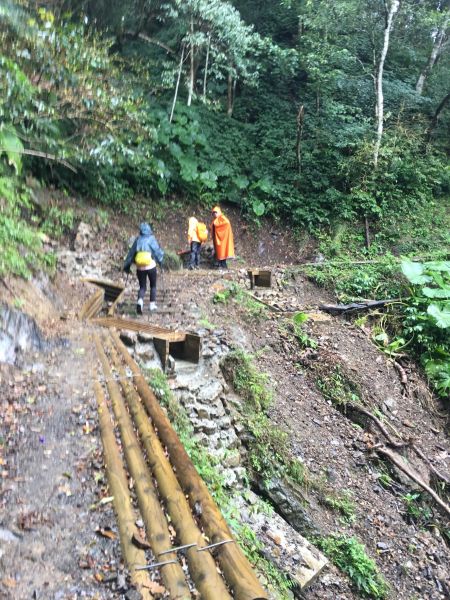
(315,112)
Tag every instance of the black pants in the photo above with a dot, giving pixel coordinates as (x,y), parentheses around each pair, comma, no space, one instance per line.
(142,278)
(222,264)
(194,260)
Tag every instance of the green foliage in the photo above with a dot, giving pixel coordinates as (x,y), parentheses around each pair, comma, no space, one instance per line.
(343,504)
(21,248)
(253,310)
(350,556)
(302,337)
(249,383)
(337,388)
(417,509)
(427,318)
(268,448)
(57,221)
(172,262)
(351,281)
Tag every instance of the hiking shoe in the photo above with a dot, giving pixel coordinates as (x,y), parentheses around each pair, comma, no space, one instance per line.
(153,306)
(139,306)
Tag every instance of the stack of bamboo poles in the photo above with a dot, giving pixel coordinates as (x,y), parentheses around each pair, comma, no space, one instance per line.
(217,567)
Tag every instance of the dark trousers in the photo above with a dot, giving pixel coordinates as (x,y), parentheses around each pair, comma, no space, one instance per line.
(194,260)
(222,264)
(142,278)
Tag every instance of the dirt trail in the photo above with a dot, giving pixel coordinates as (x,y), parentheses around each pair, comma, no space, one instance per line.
(56,540)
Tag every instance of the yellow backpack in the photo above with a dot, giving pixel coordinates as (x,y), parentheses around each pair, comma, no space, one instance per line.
(202,232)
(143,259)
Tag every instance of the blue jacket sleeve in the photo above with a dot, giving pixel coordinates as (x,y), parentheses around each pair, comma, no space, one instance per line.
(157,252)
(130,256)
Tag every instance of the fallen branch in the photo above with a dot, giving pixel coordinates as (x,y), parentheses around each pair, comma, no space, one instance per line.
(398,462)
(379,424)
(421,455)
(402,444)
(40,154)
(402,373)
(337,309)
(270,306)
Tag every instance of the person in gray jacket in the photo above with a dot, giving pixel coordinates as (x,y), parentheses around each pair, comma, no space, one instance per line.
(145,253)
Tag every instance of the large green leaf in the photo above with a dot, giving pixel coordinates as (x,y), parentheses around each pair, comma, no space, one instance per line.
(414,272)
(443,265)
(436,292)
(12,146)
(442,316)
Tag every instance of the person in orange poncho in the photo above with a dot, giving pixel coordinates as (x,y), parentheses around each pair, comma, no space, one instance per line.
(222,236)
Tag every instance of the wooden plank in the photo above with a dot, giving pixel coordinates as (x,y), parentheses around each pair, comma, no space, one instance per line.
(140,326)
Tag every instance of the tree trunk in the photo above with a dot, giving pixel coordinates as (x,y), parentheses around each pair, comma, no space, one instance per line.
(437,114)
(437,49)
(192,66)
(180,68)
(300,120)
(206,69)
(395,5)
(230,89)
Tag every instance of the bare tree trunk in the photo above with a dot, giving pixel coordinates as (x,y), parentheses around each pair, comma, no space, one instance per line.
(180,68)
(300,120)
(230,90)
(395,5)
(206,68)
(192,66)
(437,114)
(437,49)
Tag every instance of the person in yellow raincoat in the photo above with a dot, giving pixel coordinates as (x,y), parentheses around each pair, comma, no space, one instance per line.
(194,243)
(222,236)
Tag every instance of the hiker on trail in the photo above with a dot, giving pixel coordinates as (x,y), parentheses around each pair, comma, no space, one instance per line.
(197,234)
(145,253)
(222,236)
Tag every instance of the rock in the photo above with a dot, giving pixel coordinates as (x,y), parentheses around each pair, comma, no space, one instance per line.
(128,338)
(8,536)
(144,338)
(390,404)
(231,459)
(85,235)
(290,504)
(382,546)
(210,390)
(144,351)
(202,412)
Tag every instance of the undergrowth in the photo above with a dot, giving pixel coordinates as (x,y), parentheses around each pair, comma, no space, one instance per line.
(253,310)
(267,445)
(343,504)
(21,248)
(337,388)
(350,556)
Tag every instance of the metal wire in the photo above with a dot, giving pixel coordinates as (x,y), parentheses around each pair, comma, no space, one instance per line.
(155,565)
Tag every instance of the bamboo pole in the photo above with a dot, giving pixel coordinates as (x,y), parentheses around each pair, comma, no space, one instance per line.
(202,566)
(237,570)
(152,513)
(118,485)
(88,308)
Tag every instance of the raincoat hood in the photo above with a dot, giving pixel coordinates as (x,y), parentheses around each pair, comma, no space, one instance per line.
(217,210)
(145,229)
